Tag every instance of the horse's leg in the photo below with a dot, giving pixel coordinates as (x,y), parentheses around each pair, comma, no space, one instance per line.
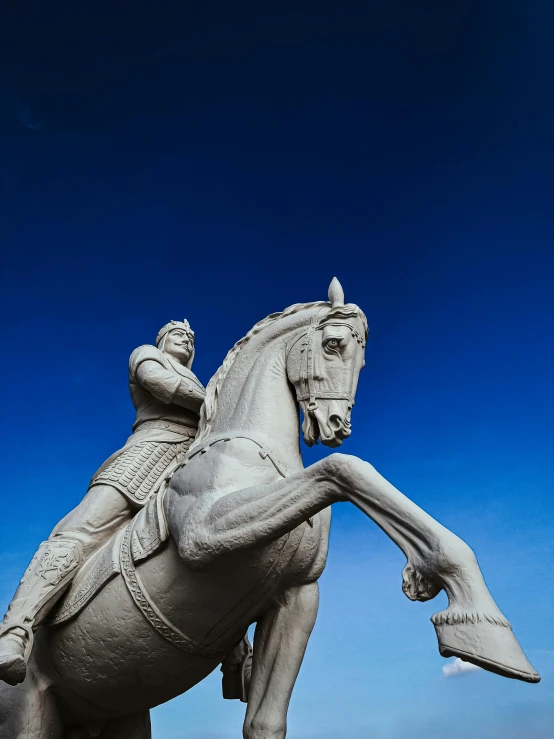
(128,727)
(279,644)
(472,627)
(136,726)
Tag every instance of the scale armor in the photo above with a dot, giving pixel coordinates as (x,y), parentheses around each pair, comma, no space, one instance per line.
(139,470)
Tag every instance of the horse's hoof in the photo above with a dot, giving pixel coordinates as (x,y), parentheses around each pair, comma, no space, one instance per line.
(489,644)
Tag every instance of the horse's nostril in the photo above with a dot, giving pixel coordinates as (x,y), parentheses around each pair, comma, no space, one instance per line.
(335,421)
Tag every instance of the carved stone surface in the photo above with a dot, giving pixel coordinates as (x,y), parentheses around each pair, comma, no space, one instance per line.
(234,532)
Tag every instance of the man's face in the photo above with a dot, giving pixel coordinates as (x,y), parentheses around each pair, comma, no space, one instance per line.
(178,345)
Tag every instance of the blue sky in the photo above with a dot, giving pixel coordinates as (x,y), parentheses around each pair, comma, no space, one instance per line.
(223,162)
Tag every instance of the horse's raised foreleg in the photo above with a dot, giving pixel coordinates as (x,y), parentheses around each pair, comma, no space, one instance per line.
(281,637)
(215,524)
(472,626)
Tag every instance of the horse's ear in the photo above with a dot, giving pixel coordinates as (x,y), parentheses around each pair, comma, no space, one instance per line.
(336,293)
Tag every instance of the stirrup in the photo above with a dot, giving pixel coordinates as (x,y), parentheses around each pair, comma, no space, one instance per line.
(29,633)
(13,666)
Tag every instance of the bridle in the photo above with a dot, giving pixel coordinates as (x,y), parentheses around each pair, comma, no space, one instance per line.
(307,384)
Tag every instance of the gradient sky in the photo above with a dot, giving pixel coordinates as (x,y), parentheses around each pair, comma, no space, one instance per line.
(221,161)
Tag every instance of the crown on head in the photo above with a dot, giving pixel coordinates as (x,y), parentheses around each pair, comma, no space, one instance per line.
(171,326)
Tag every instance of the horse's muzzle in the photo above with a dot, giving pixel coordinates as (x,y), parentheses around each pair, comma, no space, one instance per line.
(334,428)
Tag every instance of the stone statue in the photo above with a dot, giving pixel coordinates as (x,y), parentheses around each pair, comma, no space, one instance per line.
(167,397)
(236,535)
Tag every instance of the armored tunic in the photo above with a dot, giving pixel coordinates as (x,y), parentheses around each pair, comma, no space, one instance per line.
(167,397)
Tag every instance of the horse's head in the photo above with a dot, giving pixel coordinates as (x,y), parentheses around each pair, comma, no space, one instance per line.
(323,364)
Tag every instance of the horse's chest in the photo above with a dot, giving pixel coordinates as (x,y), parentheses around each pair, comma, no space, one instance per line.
(297,557)
(310,555)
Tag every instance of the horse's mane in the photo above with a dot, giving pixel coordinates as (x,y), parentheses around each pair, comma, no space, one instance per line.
(208,410)
(209,407)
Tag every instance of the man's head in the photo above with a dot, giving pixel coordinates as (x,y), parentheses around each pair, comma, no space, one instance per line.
(176,339)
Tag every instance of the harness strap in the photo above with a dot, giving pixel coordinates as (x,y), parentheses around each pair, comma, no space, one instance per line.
(312,404)
(160,623)
(307,382)
(328,396)
(263,450)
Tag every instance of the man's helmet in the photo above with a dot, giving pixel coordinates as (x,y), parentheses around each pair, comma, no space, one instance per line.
(184,325)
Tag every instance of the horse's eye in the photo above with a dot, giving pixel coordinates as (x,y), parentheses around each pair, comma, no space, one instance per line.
(332,344)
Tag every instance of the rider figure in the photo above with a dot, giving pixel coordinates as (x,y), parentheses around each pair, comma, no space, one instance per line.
(167,397)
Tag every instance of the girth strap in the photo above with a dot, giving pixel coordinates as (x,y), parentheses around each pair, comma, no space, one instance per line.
(160,623)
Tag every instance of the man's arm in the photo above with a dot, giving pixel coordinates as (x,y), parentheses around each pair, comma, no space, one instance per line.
(168,386)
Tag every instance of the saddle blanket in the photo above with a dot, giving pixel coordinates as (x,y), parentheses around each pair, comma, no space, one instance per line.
(148,532)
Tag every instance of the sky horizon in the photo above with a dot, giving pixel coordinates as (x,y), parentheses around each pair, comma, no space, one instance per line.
(220,163)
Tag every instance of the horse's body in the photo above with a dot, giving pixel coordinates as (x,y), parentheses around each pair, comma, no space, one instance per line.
(133,663)
(249,529)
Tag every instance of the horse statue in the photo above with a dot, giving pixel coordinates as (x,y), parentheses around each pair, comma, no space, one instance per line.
(239,536)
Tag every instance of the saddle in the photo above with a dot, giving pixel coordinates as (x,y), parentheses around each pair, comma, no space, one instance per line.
(146,533)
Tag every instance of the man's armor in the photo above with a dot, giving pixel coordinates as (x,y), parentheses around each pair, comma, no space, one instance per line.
(139,471)
(163,429)
(167,397)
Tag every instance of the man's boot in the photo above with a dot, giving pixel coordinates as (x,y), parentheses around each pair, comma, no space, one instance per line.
(237,670)
(50,571)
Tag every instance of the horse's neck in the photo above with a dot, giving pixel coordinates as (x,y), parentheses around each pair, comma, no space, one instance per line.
(257,400)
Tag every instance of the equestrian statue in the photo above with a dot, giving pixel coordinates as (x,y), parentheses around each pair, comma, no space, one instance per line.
(207,522)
